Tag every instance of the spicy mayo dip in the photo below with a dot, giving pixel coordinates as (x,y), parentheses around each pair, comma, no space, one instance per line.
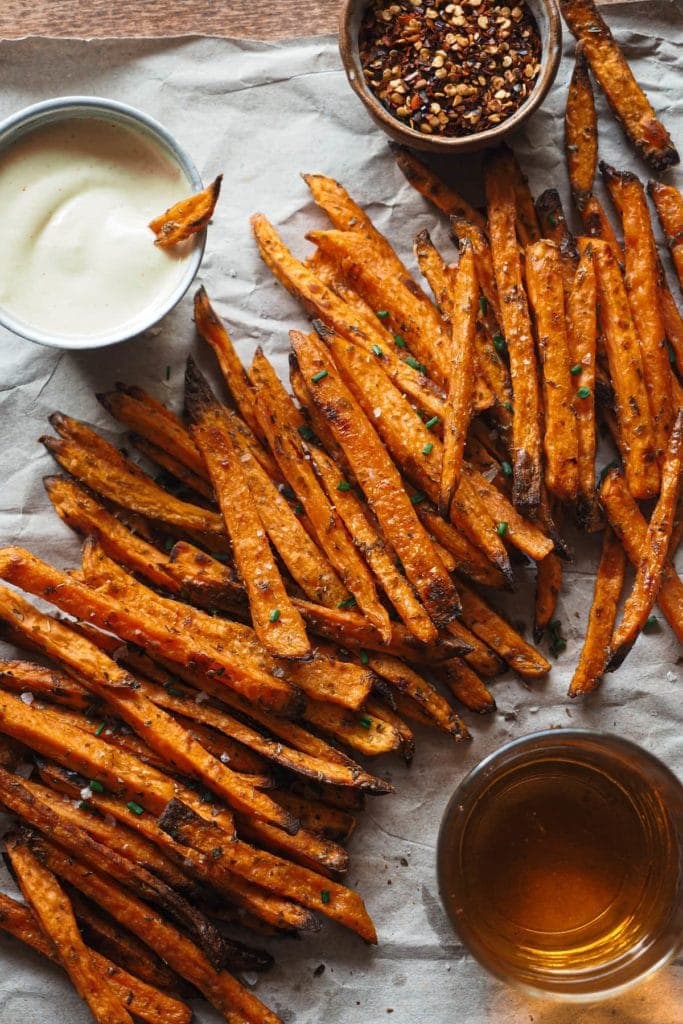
(77,259)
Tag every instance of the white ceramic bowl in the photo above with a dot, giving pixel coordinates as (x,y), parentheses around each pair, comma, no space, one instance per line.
(67,108)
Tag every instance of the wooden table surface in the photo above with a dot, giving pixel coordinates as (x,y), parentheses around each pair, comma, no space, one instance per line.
(256,19)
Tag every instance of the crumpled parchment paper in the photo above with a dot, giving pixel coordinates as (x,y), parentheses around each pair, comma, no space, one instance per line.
(261,114)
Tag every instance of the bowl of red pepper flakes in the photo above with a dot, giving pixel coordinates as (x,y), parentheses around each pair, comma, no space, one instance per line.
(450,77)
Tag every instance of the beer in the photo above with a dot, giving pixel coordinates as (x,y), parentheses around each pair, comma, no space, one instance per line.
(560,864)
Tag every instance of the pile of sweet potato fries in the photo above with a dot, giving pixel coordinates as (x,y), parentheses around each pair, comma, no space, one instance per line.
(307,577)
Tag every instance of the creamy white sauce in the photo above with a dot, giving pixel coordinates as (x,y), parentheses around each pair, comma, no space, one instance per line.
(77,259)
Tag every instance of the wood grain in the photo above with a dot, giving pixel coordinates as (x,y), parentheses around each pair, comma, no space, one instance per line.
(251,19)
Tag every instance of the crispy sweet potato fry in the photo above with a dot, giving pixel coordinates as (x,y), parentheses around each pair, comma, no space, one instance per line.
(212,330)
(609,581)
(673,321)
(560,440)
(528,228)
(277,623)
(219,987)
(525,535)
(626,98)
(669,206)
(501,637)
(462,308)
(406,681)
(597,225)
(380,481)
(331,822)
(187,217)
(467,687)
(116,480)
(581,130)
(582,336)
(640,265)
(51,906)
(554,227)
(35,805)
(416,319)
(469,559)
(190,481)
(305,848)
(271,872)
(650,569)
(516,324)
(626,370)
(323,303)
(548,585)
(143,1000)
(428,184)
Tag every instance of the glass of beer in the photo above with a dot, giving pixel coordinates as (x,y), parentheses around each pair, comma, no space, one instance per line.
(560,863)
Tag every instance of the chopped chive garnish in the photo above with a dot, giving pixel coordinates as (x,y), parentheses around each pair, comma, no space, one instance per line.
(274,615)
(506,468)
(376,350)
(100,729)
(84,805)
(418,497)
(557,641)
(173,690)
(95,786)
(298,509)
(168,372)
(483,304)
(324,895)
(343,485)
(399,341)
(364,657)
(432,422)
(508,406)
(365,722)
(651,623)
(413,362)
(306,432)
(584,392)
(672,354)
(502,528)
(319,376)
(499,343)
(349,602)
(576,369)
(135,808)
(382,313)
(552,220)
(427,450)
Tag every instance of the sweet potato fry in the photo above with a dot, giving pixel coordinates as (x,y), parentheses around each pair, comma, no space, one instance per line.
(548,585)
(190,481)
(669,206)
(554,227)
(305,848)
(516,324)
(528,228)
(673,322)
(142,999)
(212,330)
(117,480)
(187,217)
(650,569)
(469,559)
(609,581)
(581,130)
(521,532)
(501,637)
(35,805)
(597,224)
(219,987)
(277,623)
(560,440)
(379,480)
(467,687)
(84,514)
(462,308)
(640,265)
(373,546)
(626,370)
(379,709)
(406,681)
(358,730)
(331,822)
(320,302)
(417,320)
(53,910)
(582,336)
(271,872)
(428,184)
(614,76)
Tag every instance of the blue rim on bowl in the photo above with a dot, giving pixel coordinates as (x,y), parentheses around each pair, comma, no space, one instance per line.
(61,108)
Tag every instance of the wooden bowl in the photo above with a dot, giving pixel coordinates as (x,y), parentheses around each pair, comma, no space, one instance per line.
(547,15)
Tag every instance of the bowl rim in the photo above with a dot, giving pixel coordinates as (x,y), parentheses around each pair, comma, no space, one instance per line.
(550,62)
(98,107)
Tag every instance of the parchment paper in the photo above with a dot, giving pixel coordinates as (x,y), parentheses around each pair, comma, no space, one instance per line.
(261,114)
